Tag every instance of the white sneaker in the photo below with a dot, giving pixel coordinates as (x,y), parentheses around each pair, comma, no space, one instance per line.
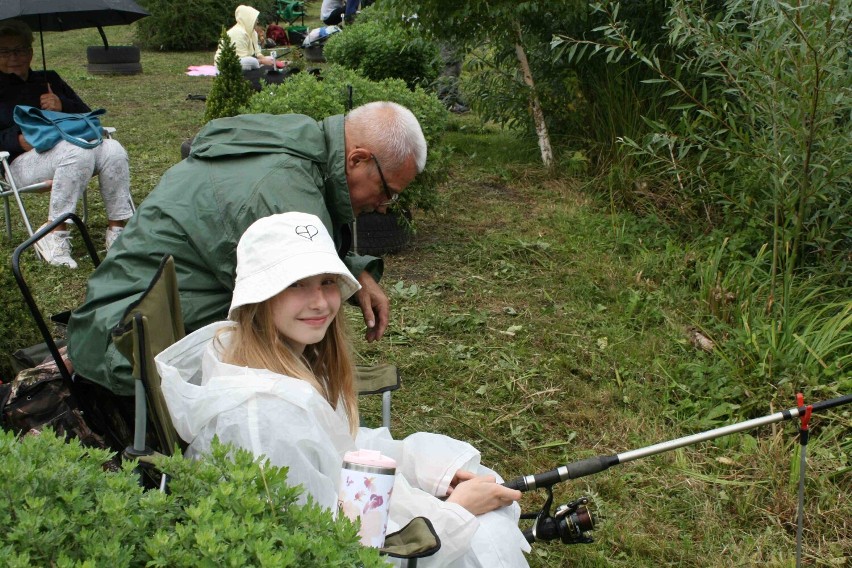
(55,248)
(112,234)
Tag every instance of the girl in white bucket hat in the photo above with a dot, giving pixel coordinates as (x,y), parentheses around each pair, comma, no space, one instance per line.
(277,379)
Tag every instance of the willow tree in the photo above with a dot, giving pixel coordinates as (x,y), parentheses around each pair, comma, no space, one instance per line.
(504,24)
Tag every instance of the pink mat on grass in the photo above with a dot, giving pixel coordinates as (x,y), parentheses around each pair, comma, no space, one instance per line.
(202,71)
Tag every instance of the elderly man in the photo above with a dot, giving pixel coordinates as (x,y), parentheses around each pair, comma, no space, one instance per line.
(241,169)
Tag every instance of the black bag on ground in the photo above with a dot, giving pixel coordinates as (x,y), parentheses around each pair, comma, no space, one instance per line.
(29,357)
(38,398)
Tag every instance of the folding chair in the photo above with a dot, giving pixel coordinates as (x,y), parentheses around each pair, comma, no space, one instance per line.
(148,326)
(78,390)
(289,11)
(10,188)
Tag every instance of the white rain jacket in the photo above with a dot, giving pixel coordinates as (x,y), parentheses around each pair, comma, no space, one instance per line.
(242,34)
(289,422)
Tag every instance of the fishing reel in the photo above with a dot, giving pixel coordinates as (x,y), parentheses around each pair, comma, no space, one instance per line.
(570,523)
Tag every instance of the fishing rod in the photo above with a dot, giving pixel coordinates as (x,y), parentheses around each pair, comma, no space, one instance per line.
(572,521)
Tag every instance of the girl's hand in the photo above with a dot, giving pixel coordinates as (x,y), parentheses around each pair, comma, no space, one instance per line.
(481,494)
(461,475)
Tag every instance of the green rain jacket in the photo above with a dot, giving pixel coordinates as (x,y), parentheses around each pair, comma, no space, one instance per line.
(240,170)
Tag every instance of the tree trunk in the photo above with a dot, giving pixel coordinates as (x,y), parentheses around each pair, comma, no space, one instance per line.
(535,106)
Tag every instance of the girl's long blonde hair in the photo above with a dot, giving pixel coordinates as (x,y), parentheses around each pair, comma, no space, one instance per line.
(327,365)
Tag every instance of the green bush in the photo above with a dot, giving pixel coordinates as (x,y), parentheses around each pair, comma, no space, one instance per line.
(759,121)
(230,91)
(302,94)
(318,98)
(186,26)
(384,50)
(59,508)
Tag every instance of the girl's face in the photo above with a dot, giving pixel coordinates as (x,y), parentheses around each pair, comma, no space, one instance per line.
(303,312)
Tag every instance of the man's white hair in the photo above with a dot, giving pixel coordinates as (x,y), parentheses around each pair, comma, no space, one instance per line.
(389,130)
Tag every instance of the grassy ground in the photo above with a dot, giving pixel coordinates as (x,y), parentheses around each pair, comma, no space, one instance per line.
(530,320)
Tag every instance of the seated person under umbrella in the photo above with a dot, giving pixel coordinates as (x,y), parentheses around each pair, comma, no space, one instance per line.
(69,166)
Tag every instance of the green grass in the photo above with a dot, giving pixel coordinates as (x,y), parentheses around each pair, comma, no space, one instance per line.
(533,321)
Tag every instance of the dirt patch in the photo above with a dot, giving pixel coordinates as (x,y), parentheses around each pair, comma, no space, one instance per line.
(495,187)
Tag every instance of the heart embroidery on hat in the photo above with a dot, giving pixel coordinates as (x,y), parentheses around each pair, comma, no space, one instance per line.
(307,231)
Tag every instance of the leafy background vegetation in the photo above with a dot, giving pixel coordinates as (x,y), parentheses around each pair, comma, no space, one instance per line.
(552,314)
(188,26)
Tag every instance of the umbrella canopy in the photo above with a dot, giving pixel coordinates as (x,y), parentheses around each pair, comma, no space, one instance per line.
(63,15)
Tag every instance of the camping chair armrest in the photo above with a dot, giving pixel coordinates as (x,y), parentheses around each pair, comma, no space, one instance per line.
(108,131)
(8,182)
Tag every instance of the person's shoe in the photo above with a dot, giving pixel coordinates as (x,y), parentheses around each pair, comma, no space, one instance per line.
(55,248)
(112,234)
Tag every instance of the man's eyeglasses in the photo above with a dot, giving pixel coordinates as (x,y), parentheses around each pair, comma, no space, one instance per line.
(392,197)
(15,52)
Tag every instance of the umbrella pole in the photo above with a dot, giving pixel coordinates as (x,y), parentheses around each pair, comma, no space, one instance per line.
(41,39)
(103,37)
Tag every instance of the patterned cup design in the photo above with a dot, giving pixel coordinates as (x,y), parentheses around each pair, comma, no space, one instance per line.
(366,484)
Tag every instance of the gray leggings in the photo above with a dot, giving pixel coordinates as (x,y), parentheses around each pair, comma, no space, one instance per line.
(71,167)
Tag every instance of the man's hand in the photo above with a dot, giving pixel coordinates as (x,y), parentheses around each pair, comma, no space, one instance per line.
(375,306)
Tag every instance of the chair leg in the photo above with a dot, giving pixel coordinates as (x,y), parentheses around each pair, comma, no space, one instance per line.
(30,231)
(7,216)
(141,425)
(7,171)
(386,409)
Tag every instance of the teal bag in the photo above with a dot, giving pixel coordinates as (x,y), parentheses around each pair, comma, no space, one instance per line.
(44,129)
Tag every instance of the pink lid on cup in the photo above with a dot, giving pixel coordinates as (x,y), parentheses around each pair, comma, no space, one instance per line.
(373,458)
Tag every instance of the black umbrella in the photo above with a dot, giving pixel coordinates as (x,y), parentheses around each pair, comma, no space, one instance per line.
(63,15)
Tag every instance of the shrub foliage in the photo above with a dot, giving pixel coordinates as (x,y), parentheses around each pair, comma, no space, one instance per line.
(384,50)
(59,508)
(230,91)
(186,26)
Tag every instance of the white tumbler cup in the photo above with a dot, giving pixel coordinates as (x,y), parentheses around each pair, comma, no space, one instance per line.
(366,484)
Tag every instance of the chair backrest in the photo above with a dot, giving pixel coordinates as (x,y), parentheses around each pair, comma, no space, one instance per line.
(378,379)
(148,326)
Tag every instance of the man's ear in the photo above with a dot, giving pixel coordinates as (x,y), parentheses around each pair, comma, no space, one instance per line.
(357,155)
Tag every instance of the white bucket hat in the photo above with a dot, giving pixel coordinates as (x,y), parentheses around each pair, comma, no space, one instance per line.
(278,250)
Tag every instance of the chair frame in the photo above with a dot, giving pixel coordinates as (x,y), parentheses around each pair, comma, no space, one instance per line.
(289,11)
(27,294)
(9,188)
(136,323)
(61,318)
